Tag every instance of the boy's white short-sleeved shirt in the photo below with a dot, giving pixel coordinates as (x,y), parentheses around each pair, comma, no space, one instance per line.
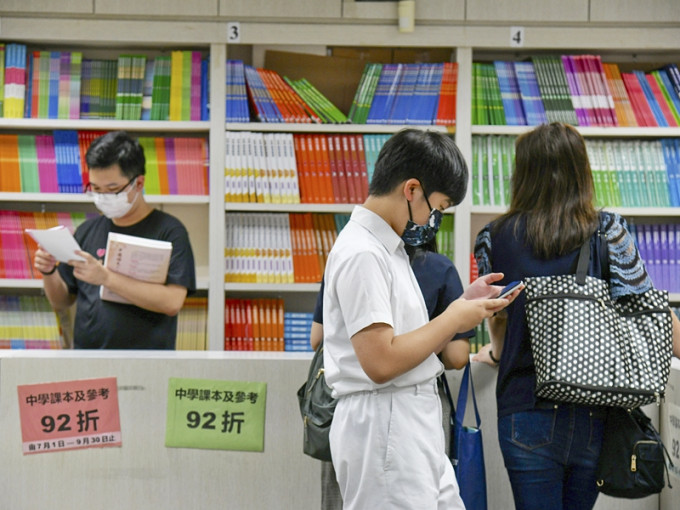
(369,280)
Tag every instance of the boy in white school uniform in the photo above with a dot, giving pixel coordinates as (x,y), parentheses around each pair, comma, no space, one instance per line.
(380,359)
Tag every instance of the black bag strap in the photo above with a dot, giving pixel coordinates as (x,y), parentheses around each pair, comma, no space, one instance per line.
(447,392)
(584,259)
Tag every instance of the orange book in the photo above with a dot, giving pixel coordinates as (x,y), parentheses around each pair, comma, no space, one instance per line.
(269,324)
(248,340)
(10,170)
(162,159)
(280,325)
(622,106)
(359,186)
(324,168)
(341,168)
(313,168)
(292,101)
(302,169)
(315,247)
(275,94)
(296,246)
(255,317)
(328,145)
(321,241)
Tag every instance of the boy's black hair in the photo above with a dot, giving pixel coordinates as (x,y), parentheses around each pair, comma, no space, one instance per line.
(432,158)
(117,147)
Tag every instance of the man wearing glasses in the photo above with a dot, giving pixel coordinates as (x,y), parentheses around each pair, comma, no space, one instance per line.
(116,166)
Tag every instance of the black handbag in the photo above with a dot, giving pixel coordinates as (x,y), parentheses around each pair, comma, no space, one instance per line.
(590,350)
(632,463)
(316,407)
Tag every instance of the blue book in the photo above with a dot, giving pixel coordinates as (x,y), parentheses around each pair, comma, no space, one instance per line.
(664,75)
(29,84)
(426,95)
(405,94)
(61,161)
(385,91)
(530,94)
(205,88)
(267,111)
(237,98)
(651,100)
(510,96)
(53,102)
(670,156)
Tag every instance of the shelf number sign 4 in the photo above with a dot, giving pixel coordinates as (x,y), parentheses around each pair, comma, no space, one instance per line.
(233,32)
(516,37)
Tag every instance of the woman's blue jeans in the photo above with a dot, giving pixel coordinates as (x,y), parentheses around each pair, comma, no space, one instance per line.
(551,456)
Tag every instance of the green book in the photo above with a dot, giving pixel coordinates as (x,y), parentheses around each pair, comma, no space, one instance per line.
(656,151)
(496,177)
(371,86)
(496,111)
(28,164)
(152,183)
(476,181)
(614,177)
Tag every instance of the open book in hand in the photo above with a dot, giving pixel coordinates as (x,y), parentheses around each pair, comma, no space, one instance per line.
(137,257)
(57,241)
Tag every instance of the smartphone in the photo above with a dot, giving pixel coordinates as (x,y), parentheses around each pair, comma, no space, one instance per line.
(510,288)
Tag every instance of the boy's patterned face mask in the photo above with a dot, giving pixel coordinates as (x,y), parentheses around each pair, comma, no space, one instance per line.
(416,235)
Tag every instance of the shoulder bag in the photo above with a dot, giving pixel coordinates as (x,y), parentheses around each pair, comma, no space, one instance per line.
(316,407)
(467,452)
(632,463)
(590,350)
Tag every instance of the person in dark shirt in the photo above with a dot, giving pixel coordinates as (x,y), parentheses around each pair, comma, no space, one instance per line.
(116,166)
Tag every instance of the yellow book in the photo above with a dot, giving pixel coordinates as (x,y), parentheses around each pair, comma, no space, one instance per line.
(176,85)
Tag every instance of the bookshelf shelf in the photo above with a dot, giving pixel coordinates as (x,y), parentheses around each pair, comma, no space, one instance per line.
(587,131)
(81,198)
(272,287)
(650,212)
(293,208)
(328,128)
(106,125)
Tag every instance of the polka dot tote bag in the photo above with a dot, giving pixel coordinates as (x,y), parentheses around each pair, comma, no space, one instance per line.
(590,350)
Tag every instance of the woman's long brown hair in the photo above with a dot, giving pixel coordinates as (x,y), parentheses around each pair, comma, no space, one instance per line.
(552,190)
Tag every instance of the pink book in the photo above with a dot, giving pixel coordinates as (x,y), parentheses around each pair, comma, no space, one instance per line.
(195,85)
(64,101)
(604,87)
(47,166)
(586,92)
(576,97)
(182,165)
(172,166)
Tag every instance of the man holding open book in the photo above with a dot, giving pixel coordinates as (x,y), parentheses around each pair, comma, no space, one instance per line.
(128,298)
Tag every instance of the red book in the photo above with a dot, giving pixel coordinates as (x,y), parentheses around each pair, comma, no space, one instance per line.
(327,147)
(352,195)
(248,340)
(313,166)
(446,109)
(302,169)
(641,109)
(340,166)
(363,170)
(324,169)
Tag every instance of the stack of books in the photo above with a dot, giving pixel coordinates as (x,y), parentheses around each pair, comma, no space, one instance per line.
(175,166)
(418,94)
(279,247)
(262,95)
(626,173)
(659,246)
(296,332)
(575,89)
(28,322)
(254,325)
(56,163)
(191,325)
(64,85)
(299,168)
(17,248)
(53,85)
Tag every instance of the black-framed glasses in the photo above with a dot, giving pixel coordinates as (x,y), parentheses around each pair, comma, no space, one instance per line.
(88,188)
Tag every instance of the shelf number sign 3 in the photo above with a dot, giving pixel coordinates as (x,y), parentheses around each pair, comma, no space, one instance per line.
(516,37)
(233,32)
